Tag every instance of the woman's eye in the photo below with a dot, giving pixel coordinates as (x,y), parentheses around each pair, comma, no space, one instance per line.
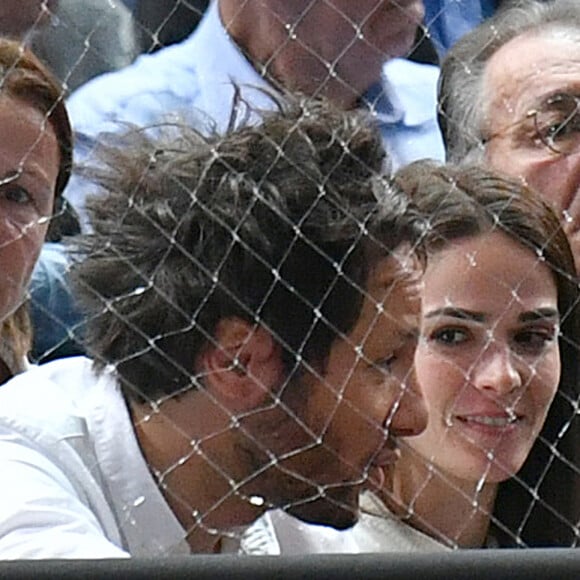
(449,336)
(16,193)
(534,340)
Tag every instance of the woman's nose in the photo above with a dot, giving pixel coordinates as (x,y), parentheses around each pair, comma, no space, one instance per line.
(497,371)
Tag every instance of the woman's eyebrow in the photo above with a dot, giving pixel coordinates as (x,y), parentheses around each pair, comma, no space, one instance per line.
(26,172)
(10,175)
(539,314)
(462,314)
(453,312)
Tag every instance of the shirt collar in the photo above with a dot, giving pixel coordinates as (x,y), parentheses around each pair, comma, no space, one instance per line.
(397,98)
(385,108)
(148,525)
(220,65)
(400,97)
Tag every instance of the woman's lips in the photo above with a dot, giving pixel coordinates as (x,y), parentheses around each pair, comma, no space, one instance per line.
(501,421)
(486,425)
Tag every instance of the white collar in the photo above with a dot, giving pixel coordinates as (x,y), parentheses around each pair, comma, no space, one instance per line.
(148,525)
(220,64)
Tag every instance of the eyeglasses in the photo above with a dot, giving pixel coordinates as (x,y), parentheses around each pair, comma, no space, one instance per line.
(556,124)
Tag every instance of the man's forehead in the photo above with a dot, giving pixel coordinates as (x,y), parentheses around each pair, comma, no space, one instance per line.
(529,69)
(392,297)
(401,269)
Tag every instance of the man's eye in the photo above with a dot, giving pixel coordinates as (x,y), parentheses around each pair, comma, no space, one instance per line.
(571,127)
(449,336)
(558,122)
(386,364)
(563,128)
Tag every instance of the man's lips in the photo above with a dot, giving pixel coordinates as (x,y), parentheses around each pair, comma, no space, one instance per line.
(388,455)
(383,459)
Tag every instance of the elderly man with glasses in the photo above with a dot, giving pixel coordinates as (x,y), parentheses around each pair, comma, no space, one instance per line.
(509,94)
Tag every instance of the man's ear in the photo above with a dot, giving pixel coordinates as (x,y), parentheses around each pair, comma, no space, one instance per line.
(242,366)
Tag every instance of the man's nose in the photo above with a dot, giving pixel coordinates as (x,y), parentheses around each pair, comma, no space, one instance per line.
(410,415)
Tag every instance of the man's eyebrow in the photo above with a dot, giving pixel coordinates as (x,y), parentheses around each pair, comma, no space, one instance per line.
(453,312)
(406,274)
(540,314)
(400,275)
(553,95)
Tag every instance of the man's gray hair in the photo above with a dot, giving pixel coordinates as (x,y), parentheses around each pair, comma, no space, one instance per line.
(462,95)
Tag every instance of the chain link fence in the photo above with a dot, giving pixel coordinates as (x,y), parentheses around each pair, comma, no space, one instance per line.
(296,347)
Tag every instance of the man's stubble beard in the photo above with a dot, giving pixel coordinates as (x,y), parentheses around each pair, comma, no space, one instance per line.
(285,484)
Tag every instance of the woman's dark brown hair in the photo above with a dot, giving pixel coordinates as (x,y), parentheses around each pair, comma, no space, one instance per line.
(539,505)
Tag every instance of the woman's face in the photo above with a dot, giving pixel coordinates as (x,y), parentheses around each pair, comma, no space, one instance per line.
(29,165)
(488,361)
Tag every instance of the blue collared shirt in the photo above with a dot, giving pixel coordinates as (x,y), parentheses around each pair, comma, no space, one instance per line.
(195,79)
(449,20)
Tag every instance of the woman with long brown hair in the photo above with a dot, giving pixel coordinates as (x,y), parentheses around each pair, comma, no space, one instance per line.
(497,363)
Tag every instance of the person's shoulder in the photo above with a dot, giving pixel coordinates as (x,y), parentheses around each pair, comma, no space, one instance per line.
(377,530)
(60,371)
(153,85)
(280,533)
(47,393)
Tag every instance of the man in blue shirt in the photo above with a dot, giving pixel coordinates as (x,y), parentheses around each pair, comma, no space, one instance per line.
(448,20)
(343,50)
